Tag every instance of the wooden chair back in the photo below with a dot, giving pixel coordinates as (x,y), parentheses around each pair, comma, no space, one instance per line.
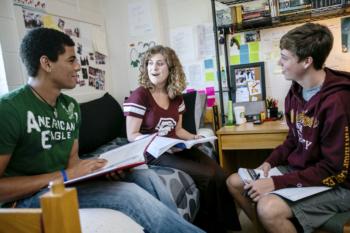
(59,213)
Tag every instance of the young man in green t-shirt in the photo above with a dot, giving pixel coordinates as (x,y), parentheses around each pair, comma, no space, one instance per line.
(39,131)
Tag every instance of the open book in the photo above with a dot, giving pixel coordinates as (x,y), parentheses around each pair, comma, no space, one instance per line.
(129,155)
(161,144)
(292,194)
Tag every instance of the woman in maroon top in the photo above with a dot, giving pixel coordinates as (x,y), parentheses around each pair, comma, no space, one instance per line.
(157,107)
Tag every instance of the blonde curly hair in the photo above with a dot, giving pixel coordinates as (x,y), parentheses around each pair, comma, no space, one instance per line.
(176,82)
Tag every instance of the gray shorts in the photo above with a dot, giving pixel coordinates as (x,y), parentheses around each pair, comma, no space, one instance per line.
(312,212)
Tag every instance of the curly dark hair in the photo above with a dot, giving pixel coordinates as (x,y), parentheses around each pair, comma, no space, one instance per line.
(176,82)
(309,40)
(42,41)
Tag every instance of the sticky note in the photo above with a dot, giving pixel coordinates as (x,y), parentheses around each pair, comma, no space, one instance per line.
(244,54)
(254,46)
(235,60)
(209,76)
(254,57)
(208,64)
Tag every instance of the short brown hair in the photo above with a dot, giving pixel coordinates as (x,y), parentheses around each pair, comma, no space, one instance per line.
(309,40)
(176,83)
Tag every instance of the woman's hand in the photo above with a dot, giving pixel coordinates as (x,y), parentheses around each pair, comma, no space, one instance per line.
(197,136)
(84,167)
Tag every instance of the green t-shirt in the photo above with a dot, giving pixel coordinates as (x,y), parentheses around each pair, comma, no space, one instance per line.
(37,140)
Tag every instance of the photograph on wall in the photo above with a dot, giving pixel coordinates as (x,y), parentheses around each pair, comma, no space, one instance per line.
(345,34)
(252,36)
(84,61)
(244,75)
(97,78)
(32,19)
(100,58)
(85,73)
(39,5)
(254,87)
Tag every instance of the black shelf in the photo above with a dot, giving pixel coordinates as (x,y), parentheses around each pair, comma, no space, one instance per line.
(291,18)
(301,16)
(233,2)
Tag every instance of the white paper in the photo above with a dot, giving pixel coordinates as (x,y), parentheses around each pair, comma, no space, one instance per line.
(181,40)
(140,18)
(129,154)
(194,75)
(242,94)
(295,194)
(254,87)
(292,194)
(205,41)
(161,144)
(99,41)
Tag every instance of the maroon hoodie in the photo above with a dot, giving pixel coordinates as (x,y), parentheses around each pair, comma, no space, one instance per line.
(317,145)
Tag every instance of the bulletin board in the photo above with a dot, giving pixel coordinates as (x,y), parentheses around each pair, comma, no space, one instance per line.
(90,45)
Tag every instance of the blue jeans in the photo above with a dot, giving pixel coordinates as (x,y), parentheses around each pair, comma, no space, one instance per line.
(130,199)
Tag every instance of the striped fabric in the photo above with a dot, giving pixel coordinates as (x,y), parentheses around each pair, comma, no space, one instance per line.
(134,108)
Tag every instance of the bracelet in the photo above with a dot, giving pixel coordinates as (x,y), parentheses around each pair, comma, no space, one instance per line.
(64,175)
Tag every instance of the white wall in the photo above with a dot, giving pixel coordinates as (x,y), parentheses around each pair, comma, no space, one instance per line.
(124,77)
(10,43)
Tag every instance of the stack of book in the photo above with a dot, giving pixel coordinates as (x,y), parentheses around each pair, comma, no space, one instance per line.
(223,17)
(289,7)
(255,12)
(274,8)
(327,3)
(325,7)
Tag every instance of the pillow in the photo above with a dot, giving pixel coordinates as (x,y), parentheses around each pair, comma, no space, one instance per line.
(101,121)
(195,106)
(188,119)
(182,189)
(201,105)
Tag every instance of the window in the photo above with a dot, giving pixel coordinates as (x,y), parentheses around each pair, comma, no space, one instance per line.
(3,83)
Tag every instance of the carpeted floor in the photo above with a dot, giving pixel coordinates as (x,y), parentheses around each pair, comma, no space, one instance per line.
(247,226)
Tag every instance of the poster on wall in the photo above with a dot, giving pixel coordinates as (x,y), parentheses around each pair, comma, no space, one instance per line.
(137,50)
(140,18)
(92,61)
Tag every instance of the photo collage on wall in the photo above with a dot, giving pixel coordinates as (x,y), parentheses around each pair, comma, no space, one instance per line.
(248,84)
(93,63)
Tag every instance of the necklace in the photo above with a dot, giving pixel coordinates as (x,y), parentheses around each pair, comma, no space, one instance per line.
(42,98)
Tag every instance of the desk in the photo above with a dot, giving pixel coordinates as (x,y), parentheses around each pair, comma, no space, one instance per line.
(250,137)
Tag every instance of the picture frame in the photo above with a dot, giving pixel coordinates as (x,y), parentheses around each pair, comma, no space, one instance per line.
(247,89)
(248,82)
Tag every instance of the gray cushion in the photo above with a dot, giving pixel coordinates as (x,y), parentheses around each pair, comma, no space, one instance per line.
(182,189)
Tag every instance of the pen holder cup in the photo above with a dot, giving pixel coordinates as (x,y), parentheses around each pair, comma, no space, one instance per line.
(272,112)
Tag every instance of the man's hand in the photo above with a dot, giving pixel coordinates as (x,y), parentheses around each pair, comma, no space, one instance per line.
(259,187)
(118,175)
(84,167)
(265,166)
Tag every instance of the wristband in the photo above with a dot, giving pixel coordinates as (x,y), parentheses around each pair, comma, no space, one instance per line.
(64,175)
